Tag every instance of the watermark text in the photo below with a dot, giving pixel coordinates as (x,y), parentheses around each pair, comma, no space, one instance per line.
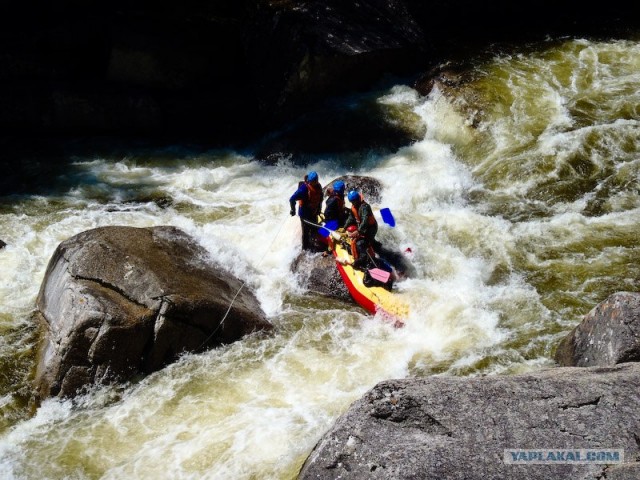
(563,455)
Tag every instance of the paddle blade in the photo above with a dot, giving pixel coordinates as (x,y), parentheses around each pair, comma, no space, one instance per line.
(324,232)
(331,224)
(387,216)
(328,228)
(380,275)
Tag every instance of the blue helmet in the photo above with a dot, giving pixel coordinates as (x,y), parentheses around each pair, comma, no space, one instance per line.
(353,196)
(338,187)
(312,176)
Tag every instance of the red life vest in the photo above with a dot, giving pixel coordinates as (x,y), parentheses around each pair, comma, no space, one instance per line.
(371,220)
(315,195)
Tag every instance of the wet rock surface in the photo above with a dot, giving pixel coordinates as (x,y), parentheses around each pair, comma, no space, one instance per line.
(120,302)
(608,335)
(459,428)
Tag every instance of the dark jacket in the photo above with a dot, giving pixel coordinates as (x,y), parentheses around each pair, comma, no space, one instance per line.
(368,225)
(310,206)
(335,211)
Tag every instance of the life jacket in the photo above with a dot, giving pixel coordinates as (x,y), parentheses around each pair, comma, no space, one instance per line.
(371,220)
(315,196)
(354,249)
(340,199)
(340,210)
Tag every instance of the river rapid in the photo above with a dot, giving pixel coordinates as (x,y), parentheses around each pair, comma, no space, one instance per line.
(520,207)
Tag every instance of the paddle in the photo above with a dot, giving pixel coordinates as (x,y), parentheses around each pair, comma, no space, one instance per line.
(329,227)
(380,275)
(324,230)
(387,217)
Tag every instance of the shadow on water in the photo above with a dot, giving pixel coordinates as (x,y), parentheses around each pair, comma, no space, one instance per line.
(48,166)
(354,127)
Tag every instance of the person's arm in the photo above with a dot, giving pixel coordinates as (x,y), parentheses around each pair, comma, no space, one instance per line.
(351,220)
(297,195)
(365,211)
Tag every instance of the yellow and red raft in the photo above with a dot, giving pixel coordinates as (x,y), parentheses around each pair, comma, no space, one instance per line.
(374,299)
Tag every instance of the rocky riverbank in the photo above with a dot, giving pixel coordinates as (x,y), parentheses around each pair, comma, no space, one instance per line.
(463,428)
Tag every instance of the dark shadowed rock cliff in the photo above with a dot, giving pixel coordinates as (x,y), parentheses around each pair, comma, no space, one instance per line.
(222,69)
(230,72)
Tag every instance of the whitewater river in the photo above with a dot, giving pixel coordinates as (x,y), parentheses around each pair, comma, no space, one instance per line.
(520,205)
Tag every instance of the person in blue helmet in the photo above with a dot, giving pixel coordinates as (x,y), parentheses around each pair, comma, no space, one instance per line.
(364,233)
(308,196)
(334,210)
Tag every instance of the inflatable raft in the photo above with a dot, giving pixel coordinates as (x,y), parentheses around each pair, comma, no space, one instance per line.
(374,298)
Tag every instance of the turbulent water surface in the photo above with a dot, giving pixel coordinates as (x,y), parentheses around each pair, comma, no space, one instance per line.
(520,206)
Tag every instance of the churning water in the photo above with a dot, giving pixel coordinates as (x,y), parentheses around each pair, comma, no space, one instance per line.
(520,206)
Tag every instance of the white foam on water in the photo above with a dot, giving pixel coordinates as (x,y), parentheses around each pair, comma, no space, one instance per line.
(186,422)
(14,442)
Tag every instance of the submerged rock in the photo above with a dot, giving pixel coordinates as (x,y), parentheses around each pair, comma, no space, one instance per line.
(2,244)
(462,428)
(320,275)
(608,335)
(117,302)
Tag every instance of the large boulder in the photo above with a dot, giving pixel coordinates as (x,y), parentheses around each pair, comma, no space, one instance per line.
(608,335)
(371,188)
(463,428)
(118,302)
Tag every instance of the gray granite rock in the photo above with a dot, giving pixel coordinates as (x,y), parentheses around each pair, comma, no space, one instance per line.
(608,335)
(459,428)
(118,302)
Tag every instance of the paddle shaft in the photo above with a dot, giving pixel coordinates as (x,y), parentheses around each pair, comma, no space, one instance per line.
(314,224)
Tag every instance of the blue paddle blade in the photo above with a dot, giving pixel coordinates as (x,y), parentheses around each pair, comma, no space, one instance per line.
(328,227)
(331,224)
(387,216)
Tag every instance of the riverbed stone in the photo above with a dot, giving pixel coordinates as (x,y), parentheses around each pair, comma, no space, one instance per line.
(319,274)
(121,302)
(460,427)
(609,334)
